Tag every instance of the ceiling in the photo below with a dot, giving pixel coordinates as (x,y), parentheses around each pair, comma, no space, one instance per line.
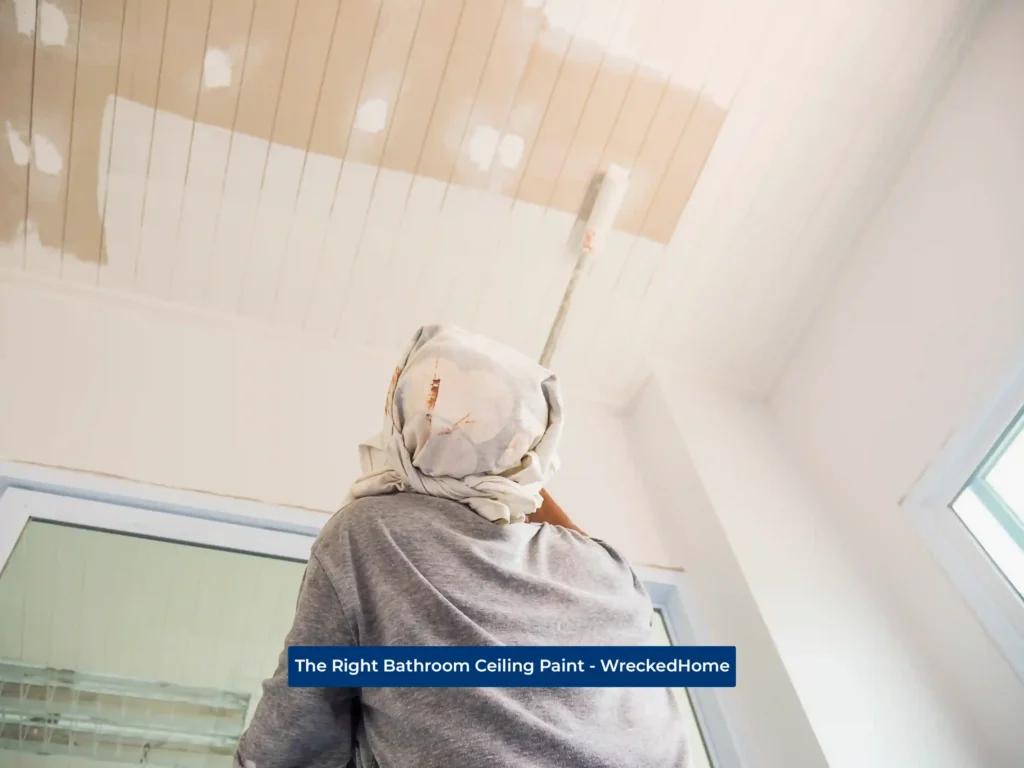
(357,168)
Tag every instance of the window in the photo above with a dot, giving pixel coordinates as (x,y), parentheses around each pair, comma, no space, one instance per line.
(969,508)
(104,606)
(992,504)
(717,731)
(114,648)
(699,757)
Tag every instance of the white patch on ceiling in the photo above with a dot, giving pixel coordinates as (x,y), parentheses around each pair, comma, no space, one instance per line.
(25,16)
(216,68)
(20,151)
(47,158)
(510,151)
(53,25)
(372,116)
(482,146)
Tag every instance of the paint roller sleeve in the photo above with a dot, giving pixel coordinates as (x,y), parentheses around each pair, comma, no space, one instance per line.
(606,207)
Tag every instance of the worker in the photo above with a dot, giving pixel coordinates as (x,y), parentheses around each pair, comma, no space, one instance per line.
(449,539)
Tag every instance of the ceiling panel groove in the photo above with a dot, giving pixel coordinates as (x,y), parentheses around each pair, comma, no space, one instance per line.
(622,146)
(306,66)
(279,274)
(72,129)
(465,72)
(476,183)
(367,24)
(209,160)
(53,93)
(267,158)
(250,153)
(152,129)
(101,78)
(17,70)
(347,307)
(429,61)
(172,244)
(543,275)
(388,273)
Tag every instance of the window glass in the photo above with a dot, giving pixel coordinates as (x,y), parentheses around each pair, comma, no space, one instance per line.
(698,751)
(992,505)
(1007,474)
(117,649)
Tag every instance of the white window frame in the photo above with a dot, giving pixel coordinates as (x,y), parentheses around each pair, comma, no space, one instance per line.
(59,496)
(990,595)
(717,710)
(67,497)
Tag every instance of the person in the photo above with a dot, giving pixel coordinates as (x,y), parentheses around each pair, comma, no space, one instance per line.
(448,538)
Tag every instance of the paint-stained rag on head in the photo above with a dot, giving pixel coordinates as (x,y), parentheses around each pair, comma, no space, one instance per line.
(467,419)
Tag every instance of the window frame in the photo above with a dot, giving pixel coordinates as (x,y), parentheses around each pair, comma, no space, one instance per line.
(717,711)
(989,496)
(964,456)
(29,492)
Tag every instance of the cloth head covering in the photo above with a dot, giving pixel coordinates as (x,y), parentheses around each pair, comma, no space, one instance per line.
(466,419)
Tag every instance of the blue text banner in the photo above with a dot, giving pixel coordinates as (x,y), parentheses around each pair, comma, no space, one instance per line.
(512,666)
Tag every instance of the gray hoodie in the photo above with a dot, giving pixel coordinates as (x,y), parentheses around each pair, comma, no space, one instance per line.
(408,569)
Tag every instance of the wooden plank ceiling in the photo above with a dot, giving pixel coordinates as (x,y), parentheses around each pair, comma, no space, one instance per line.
(358,167)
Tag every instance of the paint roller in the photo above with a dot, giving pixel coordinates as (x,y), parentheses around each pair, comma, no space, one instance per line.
(610,194)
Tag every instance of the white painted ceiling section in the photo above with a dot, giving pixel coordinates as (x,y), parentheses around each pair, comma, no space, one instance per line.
(119,172)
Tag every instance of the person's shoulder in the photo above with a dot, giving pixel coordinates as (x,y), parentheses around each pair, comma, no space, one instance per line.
(389,512)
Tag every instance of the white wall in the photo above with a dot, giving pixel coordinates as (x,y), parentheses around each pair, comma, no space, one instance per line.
(923,325)
(866,698)
(175,397)
(778,730)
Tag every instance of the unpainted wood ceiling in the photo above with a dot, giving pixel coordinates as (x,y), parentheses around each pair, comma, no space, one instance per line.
(356,168)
